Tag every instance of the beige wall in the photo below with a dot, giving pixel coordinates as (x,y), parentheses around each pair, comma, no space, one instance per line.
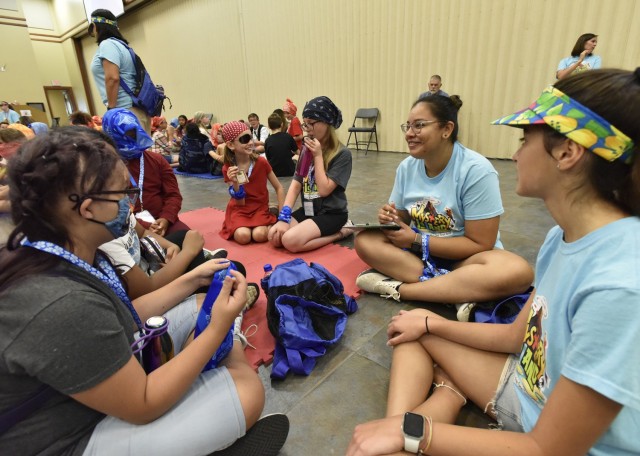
(233,57)
(21,80)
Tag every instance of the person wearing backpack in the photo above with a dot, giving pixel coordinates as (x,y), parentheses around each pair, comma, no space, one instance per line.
(113,62)
(194,158)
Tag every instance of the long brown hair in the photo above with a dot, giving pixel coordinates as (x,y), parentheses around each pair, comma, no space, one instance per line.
(614,95)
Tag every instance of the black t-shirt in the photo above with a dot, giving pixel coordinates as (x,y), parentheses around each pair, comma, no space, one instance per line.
(279,149)
(68,330)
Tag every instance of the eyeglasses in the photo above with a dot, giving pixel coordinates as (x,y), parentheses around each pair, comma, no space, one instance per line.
(244,139)
(132,193)
(308,126)
(418,125)
(4,104)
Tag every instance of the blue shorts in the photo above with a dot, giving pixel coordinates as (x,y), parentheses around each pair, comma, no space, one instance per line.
(506,404)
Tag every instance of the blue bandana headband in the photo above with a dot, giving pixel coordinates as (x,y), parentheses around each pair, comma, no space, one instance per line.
(116,123)
(103,20)
(323,109)
(576,122)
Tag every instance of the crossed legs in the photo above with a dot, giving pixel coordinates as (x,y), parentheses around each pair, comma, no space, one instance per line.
(484,276)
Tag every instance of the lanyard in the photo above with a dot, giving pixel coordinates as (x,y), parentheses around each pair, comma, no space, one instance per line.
(140,180)
(106,273)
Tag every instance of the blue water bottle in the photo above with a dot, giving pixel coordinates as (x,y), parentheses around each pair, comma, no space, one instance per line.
(264,282)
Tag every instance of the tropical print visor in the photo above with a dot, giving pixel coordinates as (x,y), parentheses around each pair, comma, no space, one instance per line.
(576,122)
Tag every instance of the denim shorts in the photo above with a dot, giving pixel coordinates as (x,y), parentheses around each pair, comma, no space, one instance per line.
(209,417)
(506,404)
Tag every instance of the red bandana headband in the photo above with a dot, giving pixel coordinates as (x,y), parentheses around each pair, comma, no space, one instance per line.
(232,130)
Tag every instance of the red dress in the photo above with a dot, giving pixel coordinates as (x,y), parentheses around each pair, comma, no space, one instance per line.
(255,211)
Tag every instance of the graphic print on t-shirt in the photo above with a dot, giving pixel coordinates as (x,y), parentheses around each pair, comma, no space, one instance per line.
(532,375)
(425,216)
(309,187)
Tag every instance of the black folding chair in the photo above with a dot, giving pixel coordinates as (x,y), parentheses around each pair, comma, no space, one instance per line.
(366,116)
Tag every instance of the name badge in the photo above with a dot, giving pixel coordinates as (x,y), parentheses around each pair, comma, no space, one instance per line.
(308,208)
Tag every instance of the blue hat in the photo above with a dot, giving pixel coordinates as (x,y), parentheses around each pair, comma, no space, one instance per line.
(323,109)
(116,123)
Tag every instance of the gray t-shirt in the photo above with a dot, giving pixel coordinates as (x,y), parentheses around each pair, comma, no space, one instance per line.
(339,171)
(67,329)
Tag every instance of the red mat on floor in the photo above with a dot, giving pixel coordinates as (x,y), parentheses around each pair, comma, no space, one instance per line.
(341,261)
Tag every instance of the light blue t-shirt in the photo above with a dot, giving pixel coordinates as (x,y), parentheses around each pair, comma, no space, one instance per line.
(11,116)
(585,325)
(116,53)
(591,62)
(467,189)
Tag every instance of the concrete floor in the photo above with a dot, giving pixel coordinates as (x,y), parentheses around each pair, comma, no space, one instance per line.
(349,384)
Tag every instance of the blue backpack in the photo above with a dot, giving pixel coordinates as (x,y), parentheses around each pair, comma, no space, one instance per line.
(306,313)
(147,96)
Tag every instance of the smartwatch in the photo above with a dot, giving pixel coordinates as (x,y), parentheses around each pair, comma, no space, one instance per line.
(416,245)
(413,430)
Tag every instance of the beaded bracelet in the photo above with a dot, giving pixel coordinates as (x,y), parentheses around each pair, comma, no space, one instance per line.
(237,194)
(285,215)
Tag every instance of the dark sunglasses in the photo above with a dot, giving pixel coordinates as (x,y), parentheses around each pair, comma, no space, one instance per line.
(244,139)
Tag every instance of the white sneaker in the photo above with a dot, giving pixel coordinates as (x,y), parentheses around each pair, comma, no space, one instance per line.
(372,281)
(464,310)
(243,336)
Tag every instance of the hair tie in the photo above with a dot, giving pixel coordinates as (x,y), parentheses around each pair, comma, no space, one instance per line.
(637,74)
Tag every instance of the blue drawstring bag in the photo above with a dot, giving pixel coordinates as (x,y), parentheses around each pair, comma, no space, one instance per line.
(306,313)
(505,311)
(204,317)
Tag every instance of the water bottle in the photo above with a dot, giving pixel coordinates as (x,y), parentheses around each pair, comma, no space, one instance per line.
(158,348)
(264,282)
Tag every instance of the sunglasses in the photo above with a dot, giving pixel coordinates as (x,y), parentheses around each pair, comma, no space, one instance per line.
(244,139)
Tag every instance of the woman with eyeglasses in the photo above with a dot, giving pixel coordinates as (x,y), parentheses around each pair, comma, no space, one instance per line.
(68,327)
(446,201)
(559,380)
(321,177)
(247,217)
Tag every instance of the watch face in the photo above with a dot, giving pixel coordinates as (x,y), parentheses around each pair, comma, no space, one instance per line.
(413,425)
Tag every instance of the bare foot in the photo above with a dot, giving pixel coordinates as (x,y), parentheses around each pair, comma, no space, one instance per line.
(441,379)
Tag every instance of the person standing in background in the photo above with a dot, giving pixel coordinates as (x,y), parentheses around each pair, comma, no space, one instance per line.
(113,62)
(582,58)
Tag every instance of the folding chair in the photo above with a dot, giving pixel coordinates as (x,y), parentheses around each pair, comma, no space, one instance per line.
(366,115)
